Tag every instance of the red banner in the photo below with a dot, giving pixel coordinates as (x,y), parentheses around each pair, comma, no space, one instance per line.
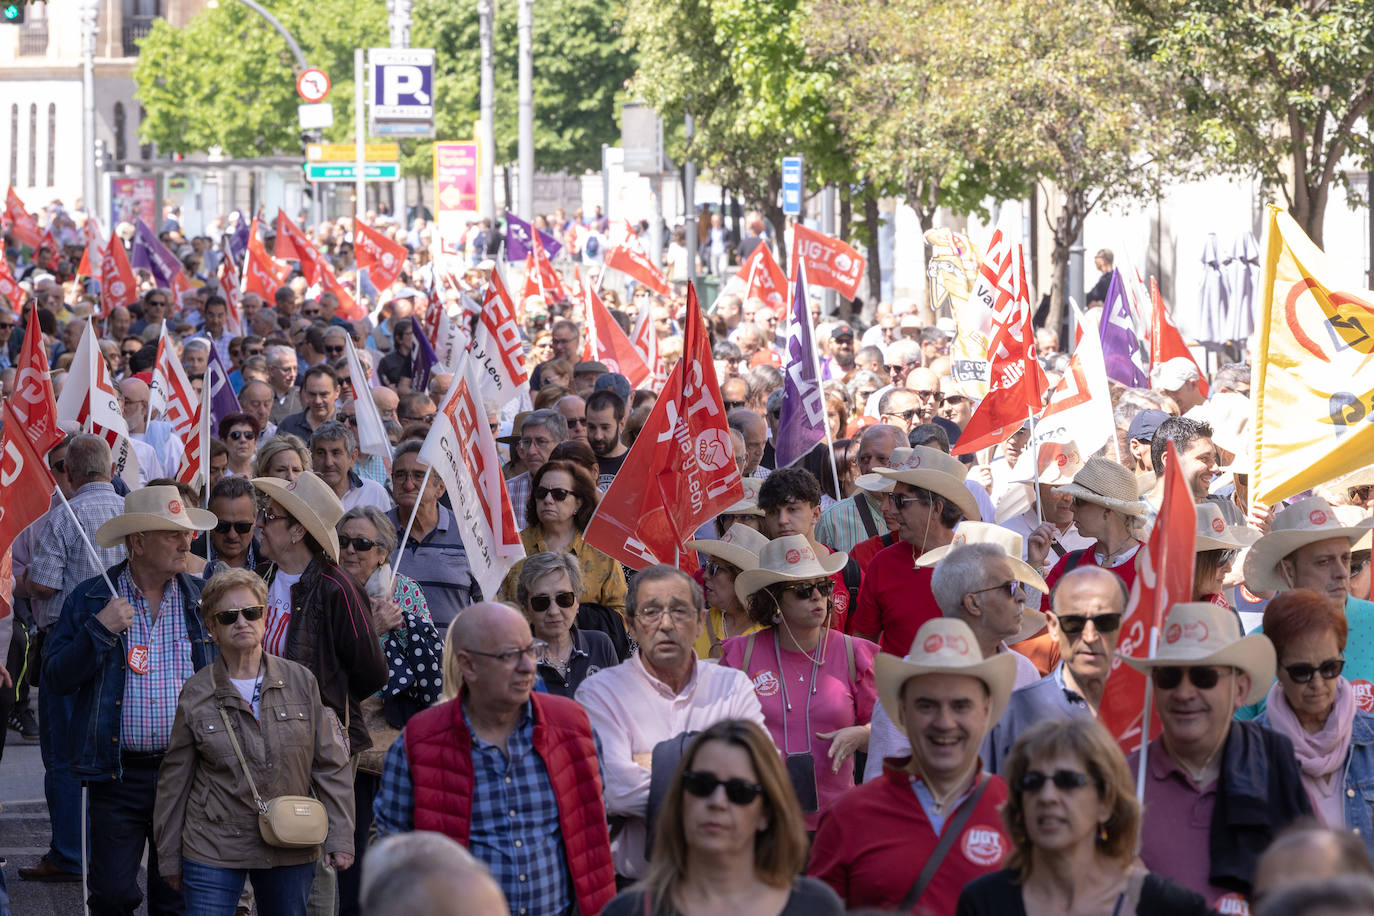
(261,275)
(227,277)
(23,224)
(382,257)
(763,277)
(24,478)
(1164,577)
(1166,342)
(9,287)
(681,470)
(607,343)
(829,262)
(33,401)
(118,285)
(631,259)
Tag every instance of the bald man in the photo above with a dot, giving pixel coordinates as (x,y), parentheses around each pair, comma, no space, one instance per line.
(427,874)
(484,744)
(926,385)
(159,452)
(1309,852)
(387,401)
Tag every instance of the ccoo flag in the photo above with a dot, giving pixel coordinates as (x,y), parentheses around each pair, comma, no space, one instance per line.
(801,426)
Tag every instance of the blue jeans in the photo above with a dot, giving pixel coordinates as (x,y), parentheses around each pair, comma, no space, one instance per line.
(62,791)
(121,831)
(210,890)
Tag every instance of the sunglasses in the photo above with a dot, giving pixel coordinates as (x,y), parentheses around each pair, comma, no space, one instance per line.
(703,785)
(240,527)
(359,544)
(558,493)
(238,435)
(427,418)
(906,415)
(1329,670)
(1361,493)
(731,405)
(1204,677)
(1073,624)
(902,500)
(825,587)
(1011,587)
(334,351)
(713,567)
(576,421)
(541,603)
(60,465)
(1033,781)
(930,396)
(227,618)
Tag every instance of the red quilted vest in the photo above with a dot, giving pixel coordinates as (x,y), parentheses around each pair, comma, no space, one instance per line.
(439,752)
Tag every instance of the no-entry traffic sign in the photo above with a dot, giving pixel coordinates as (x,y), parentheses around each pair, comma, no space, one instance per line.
(313,84)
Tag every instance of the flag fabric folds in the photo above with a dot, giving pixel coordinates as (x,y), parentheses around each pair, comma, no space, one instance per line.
(23,224)
(25,480)
(521,239)
(33,401)
(381,257)
(801,426)
(89,399)
(118,285)
(829,262)
(631,259)
(763,278)
(372,437)
(607,344)
(1123,350)
(497,347)
(1165,340)
(1080,406)
(423,360)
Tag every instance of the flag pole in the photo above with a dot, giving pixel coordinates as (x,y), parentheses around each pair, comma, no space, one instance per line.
(1145,723)
(81,530)
(816,365)
(401,550)
(1035,467)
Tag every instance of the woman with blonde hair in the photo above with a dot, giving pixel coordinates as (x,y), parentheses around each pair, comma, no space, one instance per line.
(730,836)
(1073,819)
(284,456)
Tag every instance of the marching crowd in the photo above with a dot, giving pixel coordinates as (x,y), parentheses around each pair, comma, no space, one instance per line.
(887,688)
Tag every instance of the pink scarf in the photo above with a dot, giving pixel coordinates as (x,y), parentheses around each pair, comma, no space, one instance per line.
(1321,754)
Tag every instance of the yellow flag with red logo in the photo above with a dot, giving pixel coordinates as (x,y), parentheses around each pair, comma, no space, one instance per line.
(1314,393)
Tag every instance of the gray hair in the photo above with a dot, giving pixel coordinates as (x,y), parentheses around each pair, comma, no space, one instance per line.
(333,431)
(334,331)
(551,420)
(196,343)
(961,572)
(408,447)
(657,573)
(905,349)
(88,458)
(386,530)
(402,874)
(540,565)
(1337,894)
(278,353)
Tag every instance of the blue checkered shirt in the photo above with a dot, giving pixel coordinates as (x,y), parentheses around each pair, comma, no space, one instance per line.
(515,827)
(150,700)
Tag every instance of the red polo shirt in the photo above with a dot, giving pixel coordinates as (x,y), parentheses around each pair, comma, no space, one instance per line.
(894,599)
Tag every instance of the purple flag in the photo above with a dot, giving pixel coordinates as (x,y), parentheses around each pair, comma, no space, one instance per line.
(150,254)
(422,360)
(1122,349)
(223,401)
(801,425)
(238,242)
(519,242)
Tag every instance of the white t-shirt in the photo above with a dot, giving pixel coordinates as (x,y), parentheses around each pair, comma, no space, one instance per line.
(278,612)
(251,690)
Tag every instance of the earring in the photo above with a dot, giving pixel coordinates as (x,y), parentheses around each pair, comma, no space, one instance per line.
(1102,832)
(777,617)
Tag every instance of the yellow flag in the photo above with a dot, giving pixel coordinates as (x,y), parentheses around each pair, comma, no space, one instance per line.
(1314,400)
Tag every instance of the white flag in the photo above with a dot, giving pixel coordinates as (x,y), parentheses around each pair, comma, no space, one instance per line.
(372,437)
(497,349)
(1080,407)
(90,399)
(170,396)
(461,450)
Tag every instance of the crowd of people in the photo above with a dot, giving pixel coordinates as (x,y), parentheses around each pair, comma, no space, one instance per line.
(885,688)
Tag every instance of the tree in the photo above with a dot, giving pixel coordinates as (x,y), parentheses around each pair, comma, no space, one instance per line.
(1283,90)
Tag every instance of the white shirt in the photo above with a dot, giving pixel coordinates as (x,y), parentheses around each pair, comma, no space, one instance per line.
(278,612)
(632,711)
(371,493)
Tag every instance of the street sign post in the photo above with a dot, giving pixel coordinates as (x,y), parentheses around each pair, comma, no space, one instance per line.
(792,185)
(348,171)
(402,92)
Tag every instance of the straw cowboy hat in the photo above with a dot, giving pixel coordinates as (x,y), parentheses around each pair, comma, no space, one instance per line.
(1214,534)
(1103,482)
(876,483)
(749,504)
(740,546)
(1200,633)
(933,470)
(153,509)
(1305,522)
(787,559)
(1011,544)
(944,645)
(310,502)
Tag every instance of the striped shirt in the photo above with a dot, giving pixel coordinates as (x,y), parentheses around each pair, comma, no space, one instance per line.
(161,650)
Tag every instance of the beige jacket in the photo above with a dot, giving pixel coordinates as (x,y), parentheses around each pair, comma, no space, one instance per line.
(205,810)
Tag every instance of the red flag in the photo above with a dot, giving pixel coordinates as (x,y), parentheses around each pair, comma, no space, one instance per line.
(34,402)
(48,242)
(24,479)
(1164,577)
(531,287)
(90,249)
(630,258)
(681,470)
(292,245)
(9,287)
(496,346)
(1016,385)
(195,439)
(830,263)
(646,344)
(550,281)
(607,343)
(261,275)
(348,308)
(227,277)
(285,248)
(763,277)
(1166,342)
(118,286)
(382,257)
(23,224)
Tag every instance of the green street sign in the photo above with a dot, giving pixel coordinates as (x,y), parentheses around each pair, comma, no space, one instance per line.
(348,171)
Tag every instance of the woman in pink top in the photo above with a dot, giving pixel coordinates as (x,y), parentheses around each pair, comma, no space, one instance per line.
(815,684)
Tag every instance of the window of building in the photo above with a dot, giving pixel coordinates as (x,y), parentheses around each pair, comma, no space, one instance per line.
(121,125)
(52,144)
(33,145)
(138,22)
(14,145)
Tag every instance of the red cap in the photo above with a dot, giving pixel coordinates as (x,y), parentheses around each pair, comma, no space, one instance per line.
(766,357)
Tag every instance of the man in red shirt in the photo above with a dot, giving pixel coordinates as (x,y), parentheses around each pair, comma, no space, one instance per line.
(911,839)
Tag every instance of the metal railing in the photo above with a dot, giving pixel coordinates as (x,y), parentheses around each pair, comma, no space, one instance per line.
(135,27)
(33,39)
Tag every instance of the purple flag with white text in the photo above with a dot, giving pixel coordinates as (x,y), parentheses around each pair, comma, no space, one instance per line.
(801,425)
(223,401)
(1123,351)
(519,243)
(150,254)
(422,360)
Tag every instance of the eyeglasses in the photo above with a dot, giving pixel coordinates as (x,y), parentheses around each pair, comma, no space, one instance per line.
(1033,781)
(930,396)
(541,603)
(535,443)
(905,415)
(266,517)
(1011,587)
(1204,677)
(229,617)
(426,419)
(558,493)
(240,527)
(333,351)
(1226,557)
(731,405)
(703,785)
(902,500)
(681,613)
(1073,624)
(712,567)
(60,465)
(349,418)
(129,354)
(806,590)
(415,477)
(576,421)
(1360,493)
(6,326)
(238,435)
(1329,670)
(361,545)
(508,657)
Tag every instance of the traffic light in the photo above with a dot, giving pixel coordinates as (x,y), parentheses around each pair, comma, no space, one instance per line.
(12,12)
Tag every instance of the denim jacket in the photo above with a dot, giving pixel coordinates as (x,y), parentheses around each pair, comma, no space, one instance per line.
(1359,779)
(86,659)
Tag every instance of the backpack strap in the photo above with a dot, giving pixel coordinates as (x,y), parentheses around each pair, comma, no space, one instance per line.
(866,514)
(853,668)
(1073,558)
(748,652)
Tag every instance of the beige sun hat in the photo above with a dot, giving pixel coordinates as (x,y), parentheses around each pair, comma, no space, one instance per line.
(1106,483)
(933,470)
(739,546)
(877,483)
(1013,545)
(1202,633)
(153,509)
(944,645)
(310,502)
(787,559)
(1214,534)
(1305,522)
(749,503)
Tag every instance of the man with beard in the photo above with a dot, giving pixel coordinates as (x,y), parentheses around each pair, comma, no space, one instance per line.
(605,423)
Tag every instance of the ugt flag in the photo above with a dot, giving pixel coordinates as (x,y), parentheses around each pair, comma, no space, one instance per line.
(801,426)
(1122,347)
(520,239)
(24,478)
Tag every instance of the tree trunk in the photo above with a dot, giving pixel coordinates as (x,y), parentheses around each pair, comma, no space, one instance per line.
(1067,225)
(872,217)
(846,211)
